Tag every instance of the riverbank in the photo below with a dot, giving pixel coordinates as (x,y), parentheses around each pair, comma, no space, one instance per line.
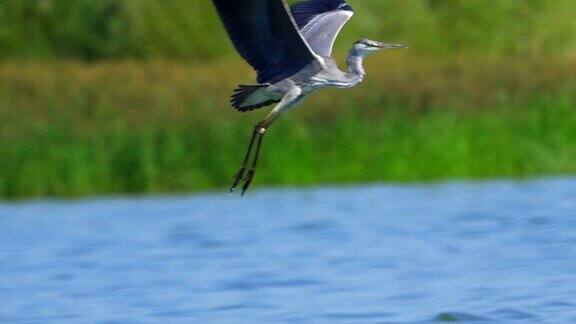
(75,129)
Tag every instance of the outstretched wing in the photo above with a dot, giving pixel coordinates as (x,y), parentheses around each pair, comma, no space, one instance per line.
(320,22)
(265,35)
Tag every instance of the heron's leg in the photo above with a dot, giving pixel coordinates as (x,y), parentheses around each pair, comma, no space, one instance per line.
(290,99)
(252,171)
(240,175)
(261,128)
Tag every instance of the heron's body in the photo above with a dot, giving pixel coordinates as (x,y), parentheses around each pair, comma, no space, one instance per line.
(303,83)
(291,49)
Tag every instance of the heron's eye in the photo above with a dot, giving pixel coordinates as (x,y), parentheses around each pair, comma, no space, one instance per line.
(344,6)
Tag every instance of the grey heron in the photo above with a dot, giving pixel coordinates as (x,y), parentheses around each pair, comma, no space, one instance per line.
(291,50)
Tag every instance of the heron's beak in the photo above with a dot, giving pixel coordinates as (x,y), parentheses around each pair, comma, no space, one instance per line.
(390,46)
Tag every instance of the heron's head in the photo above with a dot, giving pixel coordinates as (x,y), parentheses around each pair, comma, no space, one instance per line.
(366,46)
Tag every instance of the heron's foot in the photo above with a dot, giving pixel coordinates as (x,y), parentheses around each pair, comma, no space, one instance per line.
(248,181)
(237,178)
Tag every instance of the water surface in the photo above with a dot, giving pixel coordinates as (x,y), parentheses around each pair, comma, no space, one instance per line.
(488,251)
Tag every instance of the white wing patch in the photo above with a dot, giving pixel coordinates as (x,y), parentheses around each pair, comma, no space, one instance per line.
(322,30)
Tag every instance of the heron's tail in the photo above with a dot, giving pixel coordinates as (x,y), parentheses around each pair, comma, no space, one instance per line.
(250,97)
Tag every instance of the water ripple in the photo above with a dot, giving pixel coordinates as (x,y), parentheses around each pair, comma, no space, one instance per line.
(486,252)
(460,317)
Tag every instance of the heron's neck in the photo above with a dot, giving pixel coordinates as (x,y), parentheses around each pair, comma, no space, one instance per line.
(355,62)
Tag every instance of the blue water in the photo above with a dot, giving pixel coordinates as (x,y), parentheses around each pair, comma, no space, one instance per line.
(488,251)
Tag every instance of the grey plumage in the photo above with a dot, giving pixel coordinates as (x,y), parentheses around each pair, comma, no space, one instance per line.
(249,97)
(321,31)
(291,50)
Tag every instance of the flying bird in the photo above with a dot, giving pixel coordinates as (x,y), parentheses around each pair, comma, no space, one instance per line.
(291,50)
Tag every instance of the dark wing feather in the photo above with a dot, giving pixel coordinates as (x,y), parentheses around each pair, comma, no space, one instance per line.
(320,22)
(266,36)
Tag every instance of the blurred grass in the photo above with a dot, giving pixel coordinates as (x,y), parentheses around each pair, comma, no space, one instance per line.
(71,128)
(115,96)
(189,30)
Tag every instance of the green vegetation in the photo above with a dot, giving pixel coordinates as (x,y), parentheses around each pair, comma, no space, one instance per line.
(116,96)
(185,29)
(76,129)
